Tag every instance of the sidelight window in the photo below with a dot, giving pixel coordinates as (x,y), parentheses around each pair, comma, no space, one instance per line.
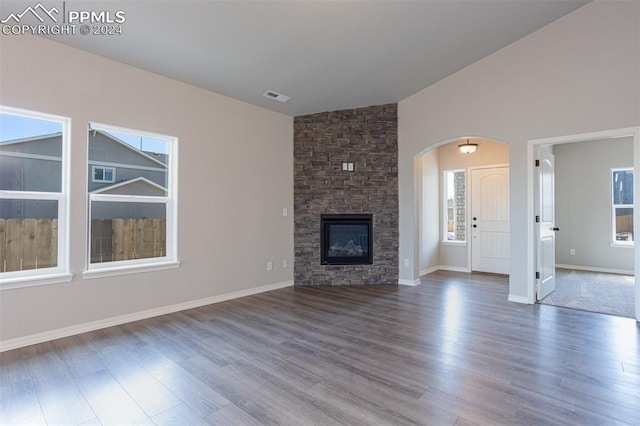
(454,202)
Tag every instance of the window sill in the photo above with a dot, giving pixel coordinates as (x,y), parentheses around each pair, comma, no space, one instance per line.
(621,245)
(34,280)
(454,243)
(129,269)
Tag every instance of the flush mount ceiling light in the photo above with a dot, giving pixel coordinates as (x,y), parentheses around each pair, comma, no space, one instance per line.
(270,94)
(468,148)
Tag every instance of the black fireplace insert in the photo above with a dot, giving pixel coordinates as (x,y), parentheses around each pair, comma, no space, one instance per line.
(346,239)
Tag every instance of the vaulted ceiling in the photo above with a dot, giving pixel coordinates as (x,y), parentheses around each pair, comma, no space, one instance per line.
(325,55)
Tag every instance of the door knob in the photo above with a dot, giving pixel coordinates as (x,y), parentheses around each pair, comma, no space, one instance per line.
(555,228)
(475,226)
(475,218)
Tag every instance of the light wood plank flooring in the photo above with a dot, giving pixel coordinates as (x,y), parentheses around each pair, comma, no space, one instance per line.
(451,351)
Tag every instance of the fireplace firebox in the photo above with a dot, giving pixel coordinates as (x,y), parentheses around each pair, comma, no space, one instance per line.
(346,239)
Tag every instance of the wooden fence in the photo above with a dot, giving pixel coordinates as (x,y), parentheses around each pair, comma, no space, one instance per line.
(33,243)
(28,244)
(624,227)
(126,239)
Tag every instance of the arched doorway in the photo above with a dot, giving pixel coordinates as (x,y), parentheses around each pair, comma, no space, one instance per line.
(454,189)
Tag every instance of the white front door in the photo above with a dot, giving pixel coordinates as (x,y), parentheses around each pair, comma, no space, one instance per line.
(490,220)
(545,224)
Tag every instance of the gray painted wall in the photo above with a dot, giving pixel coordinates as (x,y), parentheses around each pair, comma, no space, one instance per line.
(578,74)
(583,202)
(235,177)
(430,211)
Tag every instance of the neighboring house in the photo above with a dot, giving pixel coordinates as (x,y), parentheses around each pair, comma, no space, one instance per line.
(114,167)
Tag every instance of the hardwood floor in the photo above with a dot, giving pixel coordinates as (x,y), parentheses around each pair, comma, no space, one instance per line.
(451,351)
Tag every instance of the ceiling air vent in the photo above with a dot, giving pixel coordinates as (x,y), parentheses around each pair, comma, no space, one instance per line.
(276,96)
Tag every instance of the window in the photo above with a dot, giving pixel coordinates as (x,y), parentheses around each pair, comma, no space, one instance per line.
(622,206)
(455,190)
(103,174)
(132,220)
(33,198)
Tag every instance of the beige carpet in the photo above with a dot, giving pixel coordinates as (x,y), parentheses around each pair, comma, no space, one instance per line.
(595,292)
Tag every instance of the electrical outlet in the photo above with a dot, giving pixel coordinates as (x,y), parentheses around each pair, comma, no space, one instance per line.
(284,264)
(406,262)
(572,252)
(269,266)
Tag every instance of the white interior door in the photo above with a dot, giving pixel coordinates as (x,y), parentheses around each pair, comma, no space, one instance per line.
(490,220)
(545,224)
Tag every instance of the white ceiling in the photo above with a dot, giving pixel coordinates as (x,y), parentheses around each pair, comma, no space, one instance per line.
(326,55)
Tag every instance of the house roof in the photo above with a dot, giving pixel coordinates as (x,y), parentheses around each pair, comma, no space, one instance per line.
(145,154)
(30,139)
(130,182)
(160,159)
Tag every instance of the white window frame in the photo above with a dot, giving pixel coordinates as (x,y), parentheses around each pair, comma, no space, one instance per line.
(445,208)
(614,241)
(170,259)
(59,273)
(104,169)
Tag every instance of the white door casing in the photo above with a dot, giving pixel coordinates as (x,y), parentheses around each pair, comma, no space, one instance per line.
(545,223)
(532,238)
(490,220)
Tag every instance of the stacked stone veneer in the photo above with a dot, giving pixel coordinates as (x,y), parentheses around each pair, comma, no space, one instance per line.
(367,137)
(459,183)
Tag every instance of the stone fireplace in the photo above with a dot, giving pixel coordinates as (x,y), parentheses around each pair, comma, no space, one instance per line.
(346,197)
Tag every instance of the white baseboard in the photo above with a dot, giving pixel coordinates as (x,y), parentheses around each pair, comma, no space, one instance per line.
(408,282)
(519,299)
(596,269)
(424,272)
(19,342)
(429,270)
(454,268)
